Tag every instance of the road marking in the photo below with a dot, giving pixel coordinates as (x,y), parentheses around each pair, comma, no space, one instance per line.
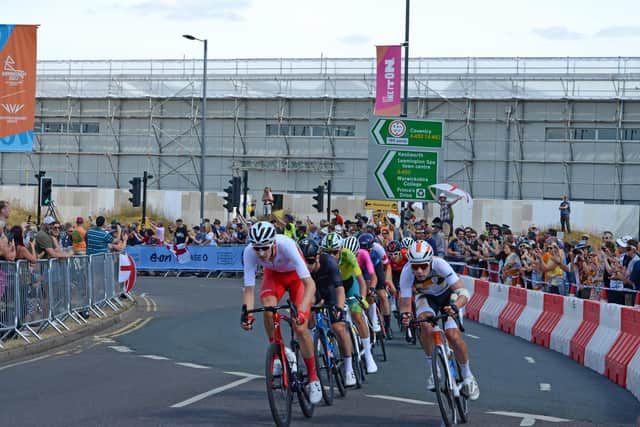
(530,359)
(192,365)
(530,419)
(24,362)
(243,374)
(147,303)
(545,387)
(135,328)
(121,349)
(475,337)
(154,357)
(199,397)
(154,304)
(124,328)
(400,399)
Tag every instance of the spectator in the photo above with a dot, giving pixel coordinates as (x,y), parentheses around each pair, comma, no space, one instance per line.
(437,238)
(446,213)
(197,236)
(181,233)
(65,239)
(150,238)
(565,213)
(512,265)
(251,209)
(313,231)
(78,238)
(339,219)
(46,240)
(210,236)
(159,229)
(455,251)
(22,251)
(267,201)
(5,211)
(133,237)
(100,241)
(551,262)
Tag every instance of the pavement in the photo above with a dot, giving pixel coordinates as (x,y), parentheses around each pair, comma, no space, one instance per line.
(180,359)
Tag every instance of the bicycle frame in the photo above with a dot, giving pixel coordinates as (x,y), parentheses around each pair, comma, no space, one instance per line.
(322,323)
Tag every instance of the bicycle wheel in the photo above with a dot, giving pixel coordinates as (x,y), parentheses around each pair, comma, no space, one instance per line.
(380,349)
(302,378)
(323,366)
(280,394)
(462,401)
(443,390)
(355,357)
(337,365)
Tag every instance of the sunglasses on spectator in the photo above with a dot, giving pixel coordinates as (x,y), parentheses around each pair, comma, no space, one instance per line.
(424,266)
(261,248)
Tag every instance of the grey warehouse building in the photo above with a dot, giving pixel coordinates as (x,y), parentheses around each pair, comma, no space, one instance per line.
(515,128)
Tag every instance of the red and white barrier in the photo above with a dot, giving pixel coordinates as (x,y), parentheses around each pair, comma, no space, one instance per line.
(582,337)
(633,375)
(624,348)
(480,290)
(548,319)
(530,314)
(512,311)
(566,328)
(496,302)
(604,337)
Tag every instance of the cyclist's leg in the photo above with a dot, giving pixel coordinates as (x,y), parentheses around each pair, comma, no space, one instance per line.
(271,292)
(381,290)
(296,291)
(344,342)
(461,352)
(424,310)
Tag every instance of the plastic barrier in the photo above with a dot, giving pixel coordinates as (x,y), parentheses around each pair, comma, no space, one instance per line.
(633,375)
(568,325)
(552,311)
(479,297)
(590,322)
(604,337)
(512,311)
(498,298)
(624,348)
(530,314)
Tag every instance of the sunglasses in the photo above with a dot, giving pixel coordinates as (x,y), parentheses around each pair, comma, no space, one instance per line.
(261,248)
(416,267)
(394,253)
(310,261)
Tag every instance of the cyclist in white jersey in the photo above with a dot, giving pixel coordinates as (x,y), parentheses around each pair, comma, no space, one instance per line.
(284,270)
(436,287)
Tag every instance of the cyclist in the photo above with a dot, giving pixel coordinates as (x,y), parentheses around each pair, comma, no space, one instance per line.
(397,259)
(382,268)
(435,282)
(330,292)
(284,270)
(354,286)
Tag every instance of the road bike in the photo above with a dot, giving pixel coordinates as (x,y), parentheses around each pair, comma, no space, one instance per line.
(327,355)
(452,394)
(359,364)
(378,337)
(292,376)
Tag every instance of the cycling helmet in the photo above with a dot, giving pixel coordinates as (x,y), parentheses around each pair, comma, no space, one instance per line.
(366,241)
(407,242)
(420,252)
(394,246)
(262,233)
(331,241)
(352,244)
(309,248)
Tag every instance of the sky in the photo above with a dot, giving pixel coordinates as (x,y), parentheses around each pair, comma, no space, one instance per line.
(146,29)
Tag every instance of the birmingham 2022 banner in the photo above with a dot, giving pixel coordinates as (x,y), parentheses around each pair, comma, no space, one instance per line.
(18,46)
(388,60)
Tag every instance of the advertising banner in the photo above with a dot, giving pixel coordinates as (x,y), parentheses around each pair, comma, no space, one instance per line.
(18,45)
(389,60)
(202,258)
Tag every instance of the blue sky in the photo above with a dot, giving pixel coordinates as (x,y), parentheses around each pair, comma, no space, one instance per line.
(126,29)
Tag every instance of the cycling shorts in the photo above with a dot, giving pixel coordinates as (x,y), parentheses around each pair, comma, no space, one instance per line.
(426,303)
(381,277)
(351,287)
(354,305)
(275,283)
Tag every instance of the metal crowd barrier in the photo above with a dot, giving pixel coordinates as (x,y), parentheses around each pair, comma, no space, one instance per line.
(54,291)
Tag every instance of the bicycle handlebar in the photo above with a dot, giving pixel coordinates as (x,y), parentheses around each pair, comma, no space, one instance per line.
(435,319)
(272,309)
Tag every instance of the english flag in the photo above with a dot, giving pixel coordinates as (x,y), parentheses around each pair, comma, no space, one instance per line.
(127,273)
(181,252)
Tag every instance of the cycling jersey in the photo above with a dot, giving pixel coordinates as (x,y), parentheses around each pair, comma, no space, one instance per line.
(287,259)
(438,281)
(348,264)
(379,255)
(327,279)
(364,261)
(396,267)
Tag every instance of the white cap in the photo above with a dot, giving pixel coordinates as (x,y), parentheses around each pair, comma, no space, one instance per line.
(49,220)
(442,195)
(623,241)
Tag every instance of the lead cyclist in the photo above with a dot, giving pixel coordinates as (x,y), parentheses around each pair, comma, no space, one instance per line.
(435,283)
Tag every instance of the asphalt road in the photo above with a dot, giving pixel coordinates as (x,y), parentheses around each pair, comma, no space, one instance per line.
(182,360)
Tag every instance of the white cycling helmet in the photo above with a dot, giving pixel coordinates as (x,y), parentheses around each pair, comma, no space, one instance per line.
(420,252)
(331,241)
(407,242)
(352,244)
(262,233)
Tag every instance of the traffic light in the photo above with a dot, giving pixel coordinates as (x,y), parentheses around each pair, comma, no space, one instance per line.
(319,198)
(45,191)
(136,186)
(228,198)
(236,183)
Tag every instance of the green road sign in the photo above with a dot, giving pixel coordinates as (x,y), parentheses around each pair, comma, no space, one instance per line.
(408,133)
(407,175)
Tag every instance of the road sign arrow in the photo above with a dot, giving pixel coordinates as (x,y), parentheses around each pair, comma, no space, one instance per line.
(375,131)
(382,180)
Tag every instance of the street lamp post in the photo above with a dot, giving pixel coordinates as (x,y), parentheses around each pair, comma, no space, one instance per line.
(204,115)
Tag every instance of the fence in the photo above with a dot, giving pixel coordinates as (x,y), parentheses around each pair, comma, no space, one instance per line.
(54,291)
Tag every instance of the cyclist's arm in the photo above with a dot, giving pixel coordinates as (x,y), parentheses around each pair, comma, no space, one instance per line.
(363,284)
(248,297)
(462,297)
(340,297)
(406,285)
(309,294)
(336,278)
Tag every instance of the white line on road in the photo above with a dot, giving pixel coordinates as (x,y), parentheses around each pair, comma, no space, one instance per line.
(24,362)
(475,337)
(243,374)
(121,349)
(217,390)
(154,357)
(192,365)
(545,387)
(400,399)
(530,419)
(530,359)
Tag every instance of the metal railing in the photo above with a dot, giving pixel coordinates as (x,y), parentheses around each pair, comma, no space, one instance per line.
(34,296)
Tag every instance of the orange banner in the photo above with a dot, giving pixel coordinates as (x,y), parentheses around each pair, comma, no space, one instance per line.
(18,47)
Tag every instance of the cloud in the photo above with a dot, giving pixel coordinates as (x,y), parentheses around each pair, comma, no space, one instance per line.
(619,31)
(355,39)
(557,33)
(190,10)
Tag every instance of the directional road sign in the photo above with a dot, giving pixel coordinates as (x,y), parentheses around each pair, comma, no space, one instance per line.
(407,175)
(407,133)
(383,205)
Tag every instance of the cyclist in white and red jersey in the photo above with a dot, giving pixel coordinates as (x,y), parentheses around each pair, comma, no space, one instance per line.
(437,288)
(284,270)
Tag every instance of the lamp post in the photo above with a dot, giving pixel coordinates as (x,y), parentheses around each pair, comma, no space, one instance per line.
(204,115)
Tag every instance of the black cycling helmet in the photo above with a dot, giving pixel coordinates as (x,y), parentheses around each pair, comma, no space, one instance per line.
(366,241)
(309,248)
(393,246)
